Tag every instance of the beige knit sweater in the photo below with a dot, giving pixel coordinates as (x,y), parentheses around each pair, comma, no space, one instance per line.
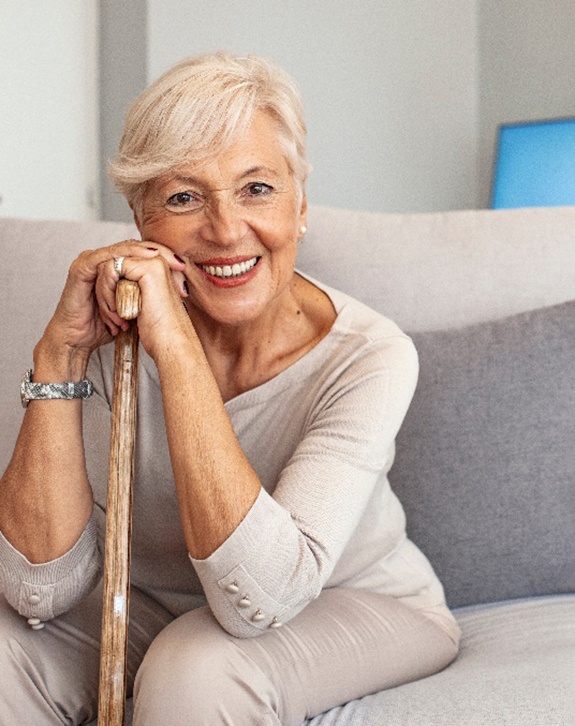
(321,438)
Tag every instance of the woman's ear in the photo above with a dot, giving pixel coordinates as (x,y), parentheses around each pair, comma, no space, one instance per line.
(303,215)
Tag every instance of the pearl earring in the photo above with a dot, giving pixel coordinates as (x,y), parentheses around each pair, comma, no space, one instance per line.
(302,230)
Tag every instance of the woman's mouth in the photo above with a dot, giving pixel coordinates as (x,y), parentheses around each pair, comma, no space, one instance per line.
(229,273)
(226,272)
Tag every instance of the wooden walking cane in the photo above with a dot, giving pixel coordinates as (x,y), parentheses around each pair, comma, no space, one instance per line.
(116,598)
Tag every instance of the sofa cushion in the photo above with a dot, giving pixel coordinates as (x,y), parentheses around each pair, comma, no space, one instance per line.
(485,462)
(515,668)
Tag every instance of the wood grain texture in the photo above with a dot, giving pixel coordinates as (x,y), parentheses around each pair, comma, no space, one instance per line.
(116,598)
(128,299)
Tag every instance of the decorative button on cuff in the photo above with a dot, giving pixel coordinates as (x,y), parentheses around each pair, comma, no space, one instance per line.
(34,599)
(275,623)
(232,588)
(35,623)
(258,616)
(245,602)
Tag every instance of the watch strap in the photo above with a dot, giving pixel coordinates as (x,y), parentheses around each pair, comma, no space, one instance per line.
(68,390)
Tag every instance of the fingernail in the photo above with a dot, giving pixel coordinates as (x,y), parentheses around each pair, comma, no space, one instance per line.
(179,259)
(186,287)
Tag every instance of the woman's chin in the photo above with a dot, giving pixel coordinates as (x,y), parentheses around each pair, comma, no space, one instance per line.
(230,314)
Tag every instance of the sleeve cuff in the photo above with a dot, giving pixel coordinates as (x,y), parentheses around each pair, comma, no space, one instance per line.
(45,590)
(238,602)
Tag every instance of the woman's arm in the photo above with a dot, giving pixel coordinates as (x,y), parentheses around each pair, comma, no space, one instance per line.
(45,497)
(215,484)
(285,549)
(46,500)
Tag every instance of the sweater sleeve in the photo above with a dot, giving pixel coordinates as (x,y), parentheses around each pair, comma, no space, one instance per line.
(282,554)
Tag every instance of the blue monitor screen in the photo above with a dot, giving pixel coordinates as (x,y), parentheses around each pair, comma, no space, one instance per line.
(535,165)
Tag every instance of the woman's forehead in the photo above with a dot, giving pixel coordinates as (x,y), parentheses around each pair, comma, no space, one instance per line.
(258,150)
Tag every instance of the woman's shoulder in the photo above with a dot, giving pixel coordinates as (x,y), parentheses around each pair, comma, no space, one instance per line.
(363,349)
(355,319)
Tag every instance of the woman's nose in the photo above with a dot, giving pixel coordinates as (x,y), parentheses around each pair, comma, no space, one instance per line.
(225,224)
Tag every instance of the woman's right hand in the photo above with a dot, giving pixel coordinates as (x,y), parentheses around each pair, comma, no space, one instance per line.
(76,328)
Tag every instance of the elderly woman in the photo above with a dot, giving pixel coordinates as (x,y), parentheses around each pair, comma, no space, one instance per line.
(268,405)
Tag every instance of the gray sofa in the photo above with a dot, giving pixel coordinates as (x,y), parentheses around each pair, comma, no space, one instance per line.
(485,461)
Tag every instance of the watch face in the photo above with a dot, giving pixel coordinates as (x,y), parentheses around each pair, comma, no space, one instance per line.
(23,385)
(25,380)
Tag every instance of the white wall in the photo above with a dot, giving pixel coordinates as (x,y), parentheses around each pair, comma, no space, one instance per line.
(48,109)
(390,88)
(123,40)
(403,98)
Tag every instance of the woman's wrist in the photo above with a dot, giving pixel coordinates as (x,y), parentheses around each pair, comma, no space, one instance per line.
(55,363)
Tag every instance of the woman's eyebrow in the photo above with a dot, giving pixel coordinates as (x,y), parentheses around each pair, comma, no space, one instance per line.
(185,179)
(252,171)
(259,170)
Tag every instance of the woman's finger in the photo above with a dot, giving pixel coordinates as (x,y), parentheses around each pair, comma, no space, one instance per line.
(180,283)
(105,291)
(133,248)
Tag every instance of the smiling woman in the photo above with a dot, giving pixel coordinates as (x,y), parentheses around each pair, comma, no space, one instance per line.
(241,207)
(268,410)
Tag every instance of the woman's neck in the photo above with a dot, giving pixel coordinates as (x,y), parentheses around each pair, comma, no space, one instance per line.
(247,355)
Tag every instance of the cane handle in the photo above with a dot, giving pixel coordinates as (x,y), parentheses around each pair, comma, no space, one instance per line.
(128,299)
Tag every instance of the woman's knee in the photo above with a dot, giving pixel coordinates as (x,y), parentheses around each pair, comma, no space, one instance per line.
(196,673)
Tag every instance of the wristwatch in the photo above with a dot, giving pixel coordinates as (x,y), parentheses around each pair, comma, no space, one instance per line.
(30,391)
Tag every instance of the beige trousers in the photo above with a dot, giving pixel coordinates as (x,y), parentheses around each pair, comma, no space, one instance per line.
(344,645)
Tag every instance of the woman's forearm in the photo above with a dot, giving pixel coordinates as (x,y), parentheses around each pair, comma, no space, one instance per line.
(215,483)
(45,497)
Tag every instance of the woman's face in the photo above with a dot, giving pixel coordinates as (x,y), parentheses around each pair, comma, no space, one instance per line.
(235,221)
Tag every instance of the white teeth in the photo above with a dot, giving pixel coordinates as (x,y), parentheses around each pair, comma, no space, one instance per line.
(239,268)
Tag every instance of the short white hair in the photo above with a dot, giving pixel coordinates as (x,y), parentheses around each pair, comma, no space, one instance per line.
(197,108)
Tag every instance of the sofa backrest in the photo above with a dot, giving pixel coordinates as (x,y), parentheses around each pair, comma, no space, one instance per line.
(433,271)
(489,495)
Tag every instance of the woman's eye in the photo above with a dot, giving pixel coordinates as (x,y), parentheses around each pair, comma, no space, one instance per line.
(259,189)
(182,199)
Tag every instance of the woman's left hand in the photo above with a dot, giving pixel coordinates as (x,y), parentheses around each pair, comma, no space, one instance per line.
(163,285)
